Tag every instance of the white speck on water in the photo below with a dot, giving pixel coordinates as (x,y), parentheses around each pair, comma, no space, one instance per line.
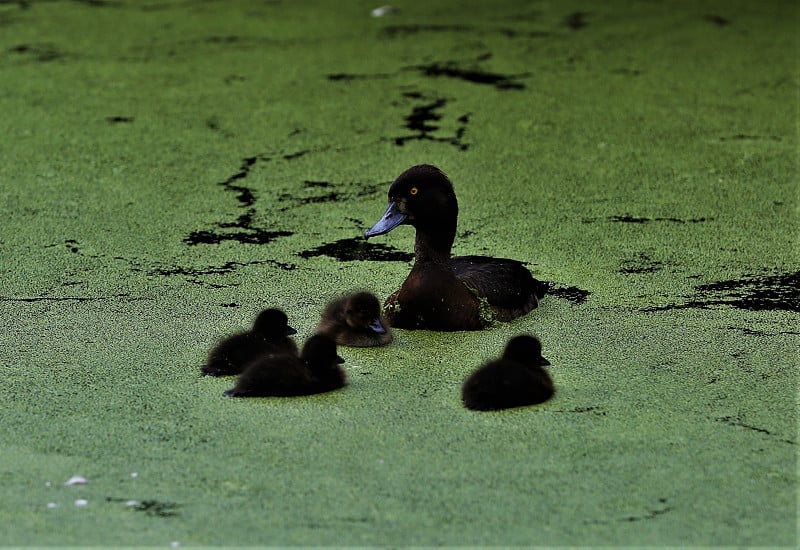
(383,10)
(134,474)
(132,503)
(76,480)
(81,502)
(175,544)
(356,367)
(380,461)
(51,505)
(47,484)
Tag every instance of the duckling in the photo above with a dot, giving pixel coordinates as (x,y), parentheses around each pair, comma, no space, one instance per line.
(443,292)
(355,320)
(316,370)
(515,380)
(270,334)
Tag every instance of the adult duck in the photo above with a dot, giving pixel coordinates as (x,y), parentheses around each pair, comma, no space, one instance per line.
(516,379)
(355,320)
(270,334)
(444,292)
(316,370)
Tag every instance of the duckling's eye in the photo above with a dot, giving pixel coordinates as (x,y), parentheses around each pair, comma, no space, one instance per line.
(413,191)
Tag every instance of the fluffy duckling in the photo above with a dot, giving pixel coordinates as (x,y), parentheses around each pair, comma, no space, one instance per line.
(316,370)
(270,334)
(355,320)
(515,380)
(444,292)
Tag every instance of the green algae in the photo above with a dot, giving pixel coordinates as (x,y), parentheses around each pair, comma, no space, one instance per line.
(643,155)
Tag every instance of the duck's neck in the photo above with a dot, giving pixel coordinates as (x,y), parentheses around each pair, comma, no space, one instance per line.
(433,247)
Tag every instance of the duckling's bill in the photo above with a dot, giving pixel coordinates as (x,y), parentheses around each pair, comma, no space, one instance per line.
(390,219)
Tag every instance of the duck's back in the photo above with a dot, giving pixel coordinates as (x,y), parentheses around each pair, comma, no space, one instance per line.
(274,375)
(506,284)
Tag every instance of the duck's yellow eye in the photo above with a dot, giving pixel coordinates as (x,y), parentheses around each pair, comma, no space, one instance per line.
(414,191)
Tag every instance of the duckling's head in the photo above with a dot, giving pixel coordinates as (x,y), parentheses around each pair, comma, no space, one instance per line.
(526,350)
(363,312)
(272,323)
(423,197)
(319,352)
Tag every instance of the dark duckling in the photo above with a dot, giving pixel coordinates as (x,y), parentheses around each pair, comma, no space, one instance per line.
(515,380)
(270,334)
(316,370)
(444,292)
(355,320)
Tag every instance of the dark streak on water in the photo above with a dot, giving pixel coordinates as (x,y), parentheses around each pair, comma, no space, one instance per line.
(752,292)
(244,230)
(474,76)
(576,21)
(151,507)
(119,119)
(737,422)
(570,293)
(627,218)
(717,20)
(358,249)
(423,122)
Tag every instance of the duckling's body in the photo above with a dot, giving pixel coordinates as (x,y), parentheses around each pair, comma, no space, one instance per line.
(270,334)
(316,370)
(516,379)
(355,320)
(444,292)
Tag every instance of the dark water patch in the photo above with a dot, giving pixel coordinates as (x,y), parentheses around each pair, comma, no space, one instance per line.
(570,293)
(227,267)
(35,299)
(737,422)
(576,21)
(780,292)
(718,20)
(240,230)
(748,137)
(626,71)
(231,304)
(42,53)
(230,79)
(150,507)
(754,292)
(474,76)
(424,122)
(632,219)
(597,411)
(324,184)
(653,513)
(640,265)
(347,77)
(119,119)
(251,236)
(358,249)
(394,31)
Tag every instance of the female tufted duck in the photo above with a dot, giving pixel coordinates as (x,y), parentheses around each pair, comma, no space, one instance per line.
(444,292)
(270,334)
(515,380)
(316,370)
(355,320)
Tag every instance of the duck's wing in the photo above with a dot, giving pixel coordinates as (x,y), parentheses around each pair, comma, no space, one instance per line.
(506,284)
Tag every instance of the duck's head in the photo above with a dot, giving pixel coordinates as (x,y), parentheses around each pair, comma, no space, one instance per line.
(363,312)
(526,350)
(272,323)
(319,352)
(423,197)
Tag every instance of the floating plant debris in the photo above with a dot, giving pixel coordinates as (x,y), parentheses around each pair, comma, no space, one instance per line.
(474,76)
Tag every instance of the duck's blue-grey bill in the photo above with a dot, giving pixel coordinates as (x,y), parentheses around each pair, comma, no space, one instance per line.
(290,331)
(390,219)
(377,327)
(544,362)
